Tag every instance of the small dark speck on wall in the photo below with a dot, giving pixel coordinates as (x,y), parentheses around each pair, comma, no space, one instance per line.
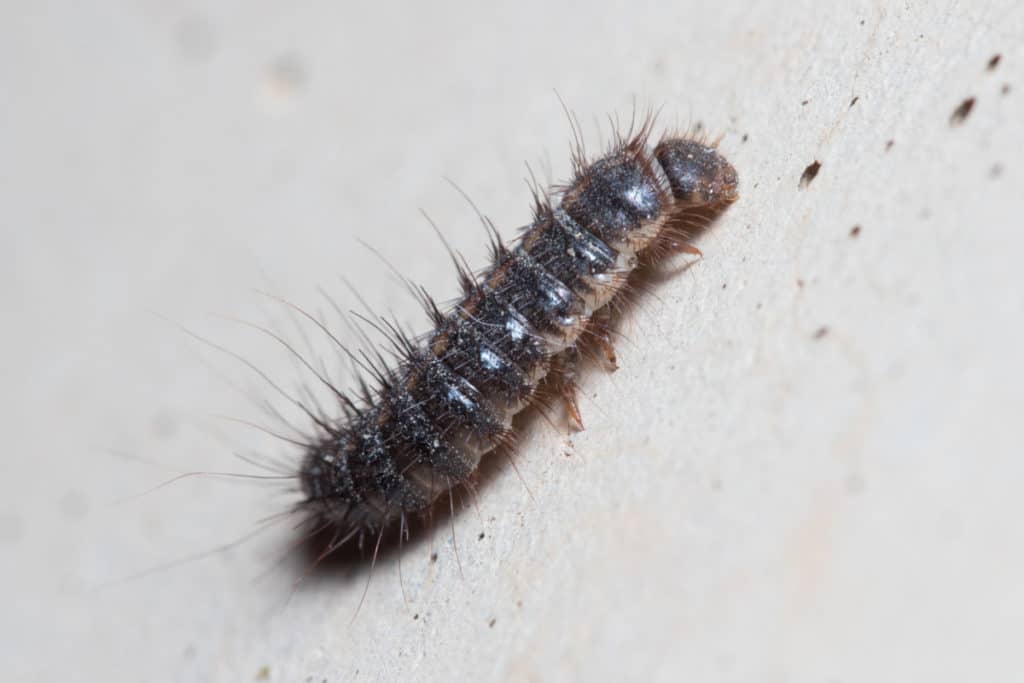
(962,111)
(855,231)
(994,62)
(809,174)
(821,332)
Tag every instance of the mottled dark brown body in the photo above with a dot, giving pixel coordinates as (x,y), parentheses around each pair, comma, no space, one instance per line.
(425,428)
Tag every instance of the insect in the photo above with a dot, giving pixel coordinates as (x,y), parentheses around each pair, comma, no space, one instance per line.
(421,427)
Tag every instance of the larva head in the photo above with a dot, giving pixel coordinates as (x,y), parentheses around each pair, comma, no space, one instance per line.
(697,173)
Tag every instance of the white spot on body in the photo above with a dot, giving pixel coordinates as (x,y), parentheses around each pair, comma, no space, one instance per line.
(489,360)
(515,329)
(640,197)
(458,397)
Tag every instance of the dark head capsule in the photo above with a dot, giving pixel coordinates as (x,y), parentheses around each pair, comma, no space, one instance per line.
(697,173)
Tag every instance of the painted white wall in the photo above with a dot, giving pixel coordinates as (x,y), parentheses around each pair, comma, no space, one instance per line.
(807,468)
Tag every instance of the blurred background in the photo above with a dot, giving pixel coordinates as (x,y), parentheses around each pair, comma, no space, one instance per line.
(807,468)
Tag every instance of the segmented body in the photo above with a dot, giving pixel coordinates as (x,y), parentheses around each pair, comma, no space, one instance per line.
(424,429)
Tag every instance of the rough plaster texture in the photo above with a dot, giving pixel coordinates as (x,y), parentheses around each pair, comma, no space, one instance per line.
(807,469)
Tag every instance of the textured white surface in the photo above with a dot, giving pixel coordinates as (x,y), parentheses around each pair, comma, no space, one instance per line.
(752,500)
